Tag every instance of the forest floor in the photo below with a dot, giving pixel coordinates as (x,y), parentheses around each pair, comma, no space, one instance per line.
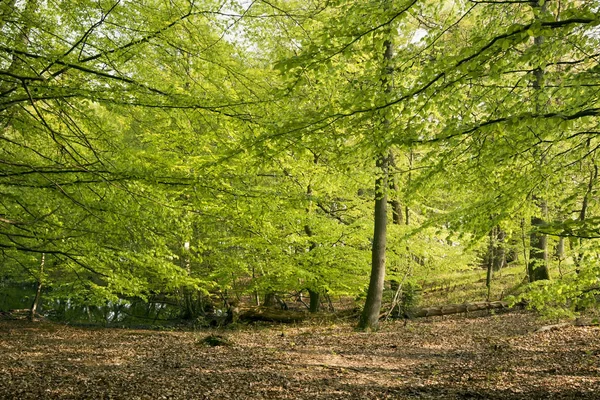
(460,357)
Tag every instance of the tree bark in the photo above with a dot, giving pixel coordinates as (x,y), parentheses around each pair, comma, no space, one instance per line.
(38,292)
(315,301)
(584,209)
(397,214)
(410,165)
(456,309)
(370,314)
(500,250)
(538,252)
(490,263)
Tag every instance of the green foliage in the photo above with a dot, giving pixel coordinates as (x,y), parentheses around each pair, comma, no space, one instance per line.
(410,297)
(249,132)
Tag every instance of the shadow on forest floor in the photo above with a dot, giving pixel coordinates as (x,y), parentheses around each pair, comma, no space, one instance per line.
(497,357)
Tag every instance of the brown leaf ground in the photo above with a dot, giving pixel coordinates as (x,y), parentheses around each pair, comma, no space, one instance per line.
(492,357)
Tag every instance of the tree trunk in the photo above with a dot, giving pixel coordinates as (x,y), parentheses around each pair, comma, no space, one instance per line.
(369,318)
(269,299)
(38,292)
(397,214)
(499,250)
(538,252)
(315,301)
(584,209)
(410,165)
(370,314)
(560,248)
(490,263)
(314,295)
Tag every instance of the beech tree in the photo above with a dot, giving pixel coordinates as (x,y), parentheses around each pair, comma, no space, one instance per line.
(254,133)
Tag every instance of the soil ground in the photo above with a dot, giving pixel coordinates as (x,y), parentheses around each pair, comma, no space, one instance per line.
(462,357)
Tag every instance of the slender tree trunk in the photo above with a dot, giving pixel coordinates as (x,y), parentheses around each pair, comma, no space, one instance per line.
(410,165)
(584,209)
(370,314)
(560,248)
(315,301)
(491,259)
(499,249)
(397,214)
(256,295)
(314,295)
(269,299)
(538,252)
(38,292)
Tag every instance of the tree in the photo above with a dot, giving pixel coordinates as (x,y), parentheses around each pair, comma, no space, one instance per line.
(83,184)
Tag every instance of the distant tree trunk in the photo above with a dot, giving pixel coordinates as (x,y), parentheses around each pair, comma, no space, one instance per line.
(315,301)
(410,165)
(560,248)
(584,209)
(538,253)
(490,263)
(397,214)
(256,295)
(500,250)
(38,292)
(269,299)
(495,256)
(538,242)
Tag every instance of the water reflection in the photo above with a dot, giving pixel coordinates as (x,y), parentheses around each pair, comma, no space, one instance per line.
(156,311)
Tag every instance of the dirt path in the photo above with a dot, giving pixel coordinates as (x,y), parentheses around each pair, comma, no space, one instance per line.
(496,357)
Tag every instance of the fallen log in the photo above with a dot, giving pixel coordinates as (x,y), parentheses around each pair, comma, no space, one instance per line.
(583,321)
(288,317)
(548,328)
(270,315)
(455,309)
(579,322)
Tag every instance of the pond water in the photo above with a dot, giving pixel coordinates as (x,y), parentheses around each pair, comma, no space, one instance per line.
(127,312)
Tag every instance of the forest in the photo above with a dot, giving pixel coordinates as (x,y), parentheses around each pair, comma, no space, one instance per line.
(397,169)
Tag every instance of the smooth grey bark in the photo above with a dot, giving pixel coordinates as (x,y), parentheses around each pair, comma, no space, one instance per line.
(370,316)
